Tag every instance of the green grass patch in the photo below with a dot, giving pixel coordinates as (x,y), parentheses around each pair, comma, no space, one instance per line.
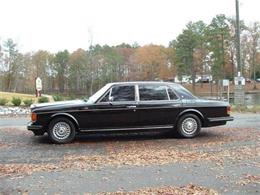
(9,96)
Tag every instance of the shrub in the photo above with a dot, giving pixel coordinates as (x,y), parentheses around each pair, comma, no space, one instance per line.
(71,97)
(58,98)
(16,101)
(3,101)
(28,102)
(43,99)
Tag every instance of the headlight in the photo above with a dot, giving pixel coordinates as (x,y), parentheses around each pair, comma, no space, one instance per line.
(33,116)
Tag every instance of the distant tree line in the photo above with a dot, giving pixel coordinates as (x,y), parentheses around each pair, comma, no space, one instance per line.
(200,49)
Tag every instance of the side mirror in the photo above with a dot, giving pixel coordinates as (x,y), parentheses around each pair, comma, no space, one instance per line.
(111,98)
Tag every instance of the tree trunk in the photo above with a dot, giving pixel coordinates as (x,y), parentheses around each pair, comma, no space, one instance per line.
(254,74)
(253,62)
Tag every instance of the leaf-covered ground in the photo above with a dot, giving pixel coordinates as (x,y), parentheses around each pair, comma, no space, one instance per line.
(217,150)
(143,152)
(169,190)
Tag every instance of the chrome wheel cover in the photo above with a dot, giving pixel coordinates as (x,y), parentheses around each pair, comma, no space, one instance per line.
(189,126)
(61,130)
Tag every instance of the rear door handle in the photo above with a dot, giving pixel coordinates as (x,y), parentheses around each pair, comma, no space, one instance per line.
(131,107)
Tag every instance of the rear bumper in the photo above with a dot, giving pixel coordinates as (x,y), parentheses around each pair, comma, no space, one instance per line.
(36,129)
(217,121)
(221,119)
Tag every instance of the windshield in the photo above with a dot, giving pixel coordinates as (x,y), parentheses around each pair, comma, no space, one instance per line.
(98,94)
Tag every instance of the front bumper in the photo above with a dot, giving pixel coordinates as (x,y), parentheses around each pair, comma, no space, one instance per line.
(36,129)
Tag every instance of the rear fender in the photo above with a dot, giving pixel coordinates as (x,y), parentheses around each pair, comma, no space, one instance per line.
(192,111)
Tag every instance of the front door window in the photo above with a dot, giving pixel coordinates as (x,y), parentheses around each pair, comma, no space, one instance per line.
(123,93)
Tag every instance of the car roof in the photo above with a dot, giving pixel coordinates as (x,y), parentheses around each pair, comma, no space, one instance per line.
(143,82)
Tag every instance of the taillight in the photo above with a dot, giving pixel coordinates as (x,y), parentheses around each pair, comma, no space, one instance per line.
(34,117)
(228,110)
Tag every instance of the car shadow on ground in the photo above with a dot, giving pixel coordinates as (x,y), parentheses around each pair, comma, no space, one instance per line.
(131,136)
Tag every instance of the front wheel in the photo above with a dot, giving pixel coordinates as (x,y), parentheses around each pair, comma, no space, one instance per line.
(61,130)
(189,126)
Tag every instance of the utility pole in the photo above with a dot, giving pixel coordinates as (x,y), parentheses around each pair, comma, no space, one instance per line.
(239,67)
(239,91)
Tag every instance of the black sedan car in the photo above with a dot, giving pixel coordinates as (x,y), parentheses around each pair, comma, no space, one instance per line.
(129,106)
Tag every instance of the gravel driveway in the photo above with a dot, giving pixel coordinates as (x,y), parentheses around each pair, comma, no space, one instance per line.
(222,160)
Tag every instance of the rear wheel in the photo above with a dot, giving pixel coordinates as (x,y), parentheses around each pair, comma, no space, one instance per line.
(61,130)
(189,126)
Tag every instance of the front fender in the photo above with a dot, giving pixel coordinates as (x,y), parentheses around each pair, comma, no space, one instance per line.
(67,115)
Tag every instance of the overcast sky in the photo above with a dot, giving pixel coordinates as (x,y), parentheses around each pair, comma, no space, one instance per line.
(55,25)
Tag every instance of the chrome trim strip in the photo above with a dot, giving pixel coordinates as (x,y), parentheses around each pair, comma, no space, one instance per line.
(110,109)
(30,126)
(218,119)
(137,93)
(167,93)
(131,129)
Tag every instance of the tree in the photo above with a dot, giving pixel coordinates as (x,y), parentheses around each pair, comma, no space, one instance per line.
(218,34)
(78,69)
(11,64)
(254,31)
(39,66)
(201,51)
(153,62)
(105,65)
(190,50)
(128,69)
(1,68)
(61,60)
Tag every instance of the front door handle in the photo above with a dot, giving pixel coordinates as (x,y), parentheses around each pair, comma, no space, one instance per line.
(176,105)
(131,107)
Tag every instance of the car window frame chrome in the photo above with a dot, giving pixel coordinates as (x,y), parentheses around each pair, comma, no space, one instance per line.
(137,95)
(137,98)
(102,96)
(166,88)
(117,102)
(174,91)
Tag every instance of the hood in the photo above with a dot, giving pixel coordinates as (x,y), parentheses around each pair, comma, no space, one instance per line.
(57,104)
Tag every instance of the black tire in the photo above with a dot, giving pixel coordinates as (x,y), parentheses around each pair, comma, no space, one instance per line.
(61,130)
(189,126)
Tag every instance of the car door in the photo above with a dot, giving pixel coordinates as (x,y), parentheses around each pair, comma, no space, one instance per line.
(116,109)
(158,105)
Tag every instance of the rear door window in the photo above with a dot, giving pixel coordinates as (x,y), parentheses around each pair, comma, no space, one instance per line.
(153,92)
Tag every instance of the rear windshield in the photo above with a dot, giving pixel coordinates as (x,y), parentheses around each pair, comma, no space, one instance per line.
(183,92)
